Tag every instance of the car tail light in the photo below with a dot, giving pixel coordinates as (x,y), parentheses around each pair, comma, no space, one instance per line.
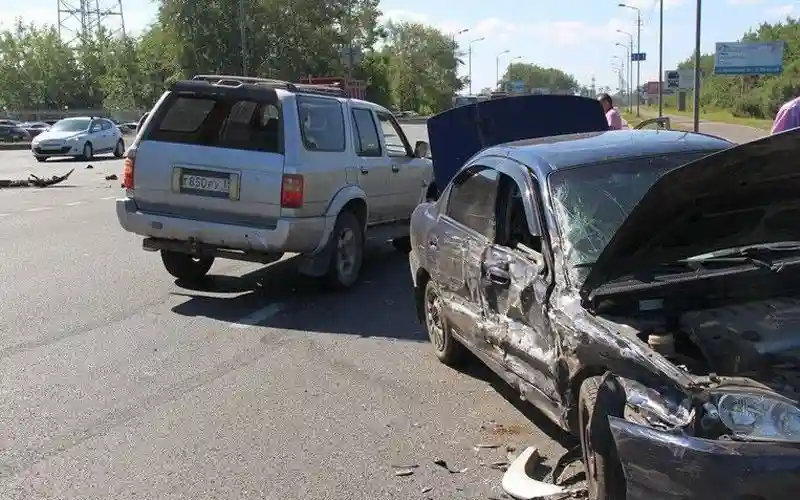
(292,191)
(127,169)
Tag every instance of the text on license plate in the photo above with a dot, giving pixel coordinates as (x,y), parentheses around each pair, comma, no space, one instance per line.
(202,183)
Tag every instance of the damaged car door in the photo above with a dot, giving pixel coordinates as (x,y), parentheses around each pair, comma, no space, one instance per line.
(466,228)
(514,284)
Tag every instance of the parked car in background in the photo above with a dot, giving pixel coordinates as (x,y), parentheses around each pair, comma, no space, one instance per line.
(35,128)
(249,169)
(13,133)
(79,137)
(640,287)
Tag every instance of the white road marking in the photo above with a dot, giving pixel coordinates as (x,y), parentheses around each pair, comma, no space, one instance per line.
(75,203)
(4,215)
(108,198)
(257,317)
(37,209)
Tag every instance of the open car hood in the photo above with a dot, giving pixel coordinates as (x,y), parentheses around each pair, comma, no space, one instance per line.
(744,195)
(457,134)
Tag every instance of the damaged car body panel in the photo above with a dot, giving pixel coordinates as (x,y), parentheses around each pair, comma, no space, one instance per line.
(704,346)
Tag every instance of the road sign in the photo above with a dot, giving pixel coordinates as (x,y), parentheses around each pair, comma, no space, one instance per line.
(678,79)
(638,56)
(749,58)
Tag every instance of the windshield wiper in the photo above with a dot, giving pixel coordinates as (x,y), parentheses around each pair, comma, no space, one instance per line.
(761,255)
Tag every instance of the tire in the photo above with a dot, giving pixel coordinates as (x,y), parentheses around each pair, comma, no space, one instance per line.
(88,152)
(445,347)
(604,477)
(119,150)
(347,254)
(186,267)
(403,244)
(40,159)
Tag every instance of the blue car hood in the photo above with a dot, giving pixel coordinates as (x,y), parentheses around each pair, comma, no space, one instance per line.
(457,134)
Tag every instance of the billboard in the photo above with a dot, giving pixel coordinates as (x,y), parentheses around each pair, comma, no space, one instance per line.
(749,58)
(679,79)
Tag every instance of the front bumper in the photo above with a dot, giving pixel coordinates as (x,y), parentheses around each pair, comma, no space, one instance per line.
(65,150)
(673,467)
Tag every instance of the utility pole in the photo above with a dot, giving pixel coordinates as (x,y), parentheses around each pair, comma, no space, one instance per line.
(661,59)
(629,87)
(696,93)
(243,35)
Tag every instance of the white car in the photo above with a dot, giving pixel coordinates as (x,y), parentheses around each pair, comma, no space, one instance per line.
(80,137)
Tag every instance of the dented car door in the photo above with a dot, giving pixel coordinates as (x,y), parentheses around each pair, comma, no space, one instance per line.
(465,229)
(514,290)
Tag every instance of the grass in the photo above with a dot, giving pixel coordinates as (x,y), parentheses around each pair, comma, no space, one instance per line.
(720,116)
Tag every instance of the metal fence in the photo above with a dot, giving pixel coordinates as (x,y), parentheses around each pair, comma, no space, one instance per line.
(52,114)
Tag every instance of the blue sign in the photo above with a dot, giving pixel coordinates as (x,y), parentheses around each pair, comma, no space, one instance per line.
(749,58)
(638,56)
(516,86)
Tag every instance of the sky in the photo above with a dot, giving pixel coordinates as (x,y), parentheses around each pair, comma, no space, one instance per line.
(580,39)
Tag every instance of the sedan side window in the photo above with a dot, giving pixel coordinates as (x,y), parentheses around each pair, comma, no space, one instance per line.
(513,228)
(95,127)
(473,198)
(106,125)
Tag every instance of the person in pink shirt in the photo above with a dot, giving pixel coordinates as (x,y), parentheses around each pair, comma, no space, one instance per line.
(612,115)
(788,116)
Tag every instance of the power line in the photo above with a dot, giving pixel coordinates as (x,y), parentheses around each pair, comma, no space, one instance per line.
(81,19)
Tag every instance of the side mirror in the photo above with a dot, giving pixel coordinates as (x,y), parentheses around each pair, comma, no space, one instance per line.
(422,149)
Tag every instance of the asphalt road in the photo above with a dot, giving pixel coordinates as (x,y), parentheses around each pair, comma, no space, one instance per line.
(118,382)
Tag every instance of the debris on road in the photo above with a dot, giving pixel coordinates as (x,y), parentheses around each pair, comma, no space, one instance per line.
(441,463)
(403,472)
(427,489)
(483,446)
(34,181)
(89,167)
(111,177)
(518,484)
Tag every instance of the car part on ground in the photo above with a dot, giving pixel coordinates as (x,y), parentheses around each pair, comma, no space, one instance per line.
(639,287)
(34,181)
(250,169)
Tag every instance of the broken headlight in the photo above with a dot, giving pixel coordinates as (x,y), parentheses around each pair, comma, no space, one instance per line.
(758,416)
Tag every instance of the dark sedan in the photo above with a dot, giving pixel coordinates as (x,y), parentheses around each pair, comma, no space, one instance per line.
(13,133)
(640,288)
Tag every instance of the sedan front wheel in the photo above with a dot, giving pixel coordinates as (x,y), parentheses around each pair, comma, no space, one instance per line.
(445,347)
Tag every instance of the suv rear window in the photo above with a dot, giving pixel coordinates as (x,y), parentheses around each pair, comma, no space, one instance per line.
(217,121)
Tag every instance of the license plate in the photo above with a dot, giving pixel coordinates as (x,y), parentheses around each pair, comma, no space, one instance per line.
(218,185)
(51,146)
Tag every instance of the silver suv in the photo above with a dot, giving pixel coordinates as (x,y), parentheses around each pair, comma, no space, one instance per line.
(250,169)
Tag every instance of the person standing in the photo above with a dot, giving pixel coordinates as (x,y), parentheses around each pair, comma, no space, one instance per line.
(612,115)
(788,116)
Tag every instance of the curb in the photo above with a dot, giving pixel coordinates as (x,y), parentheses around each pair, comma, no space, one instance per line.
(14,146)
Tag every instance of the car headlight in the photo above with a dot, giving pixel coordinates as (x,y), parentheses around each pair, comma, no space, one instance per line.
(759,416)
(75,138)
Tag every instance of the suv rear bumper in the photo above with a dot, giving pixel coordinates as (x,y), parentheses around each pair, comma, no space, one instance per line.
(301,235)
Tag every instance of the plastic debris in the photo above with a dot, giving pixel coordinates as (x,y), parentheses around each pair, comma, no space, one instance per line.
(519,485)
(34,181)
(441,463)
(111,177)
(403,472)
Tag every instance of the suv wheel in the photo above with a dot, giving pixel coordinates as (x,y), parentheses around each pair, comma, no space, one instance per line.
(348,252)
(184,266)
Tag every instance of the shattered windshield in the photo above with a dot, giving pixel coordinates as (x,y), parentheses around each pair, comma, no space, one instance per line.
(591,202)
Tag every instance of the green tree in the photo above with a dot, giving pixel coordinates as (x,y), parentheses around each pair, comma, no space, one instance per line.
(423,67)
(536,76)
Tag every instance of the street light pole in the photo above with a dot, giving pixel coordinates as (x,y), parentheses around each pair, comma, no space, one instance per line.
(470,61)
(630,71)
(638,51)
(696,96)
(455,47)
(497,67)
(630,68)
(661,58)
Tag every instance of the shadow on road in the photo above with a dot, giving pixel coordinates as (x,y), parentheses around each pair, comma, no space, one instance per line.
(381,305)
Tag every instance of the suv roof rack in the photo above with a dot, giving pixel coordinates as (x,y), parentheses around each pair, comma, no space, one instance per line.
(237,81)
